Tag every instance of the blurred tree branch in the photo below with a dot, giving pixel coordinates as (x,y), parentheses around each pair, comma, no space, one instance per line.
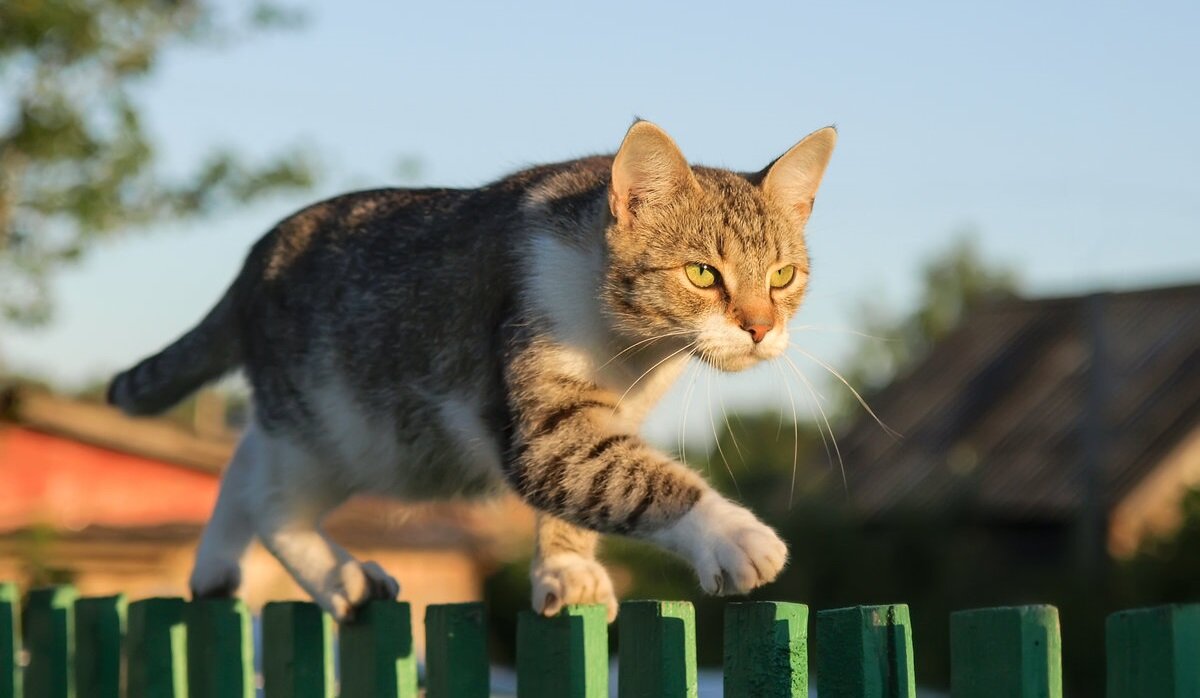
(76,163)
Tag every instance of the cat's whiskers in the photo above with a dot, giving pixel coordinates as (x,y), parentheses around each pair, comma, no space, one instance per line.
(825,419)
(687,403)
(650,370)
(716,437)
(839,330)
(795,433)
(832,371)
(643,342)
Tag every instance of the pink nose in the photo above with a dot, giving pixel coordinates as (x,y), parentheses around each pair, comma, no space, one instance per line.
(757,331)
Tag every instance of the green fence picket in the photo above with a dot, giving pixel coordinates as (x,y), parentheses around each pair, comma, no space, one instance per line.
(156,649)
(99,638)
(1006,653)
(376,652)
(297,657)
(10,640)
(565,656)
(865,652)
(766,649)
(49,630)
(220,649)
(1154,652)
(456,661)
(657,641)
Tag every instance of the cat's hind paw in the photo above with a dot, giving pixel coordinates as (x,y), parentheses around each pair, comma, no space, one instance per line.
(570,578)
(358,583)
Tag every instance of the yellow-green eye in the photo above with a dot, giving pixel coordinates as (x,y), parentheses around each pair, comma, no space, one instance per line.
(782,277)
(701,275)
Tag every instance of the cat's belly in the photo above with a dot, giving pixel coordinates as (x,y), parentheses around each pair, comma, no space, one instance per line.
(436,447)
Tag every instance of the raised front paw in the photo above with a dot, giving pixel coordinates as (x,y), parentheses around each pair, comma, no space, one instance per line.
(567,578)
(731,550)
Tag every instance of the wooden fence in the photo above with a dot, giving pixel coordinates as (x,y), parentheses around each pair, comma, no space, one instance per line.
(166,647)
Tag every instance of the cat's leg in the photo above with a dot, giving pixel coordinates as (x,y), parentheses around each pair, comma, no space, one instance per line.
(290,499)
(217,571)
(577,459)
(565,570)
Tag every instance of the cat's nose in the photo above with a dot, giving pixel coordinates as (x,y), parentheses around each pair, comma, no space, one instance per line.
(758,329)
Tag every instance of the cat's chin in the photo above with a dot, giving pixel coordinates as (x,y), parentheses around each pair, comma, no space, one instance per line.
(732,363)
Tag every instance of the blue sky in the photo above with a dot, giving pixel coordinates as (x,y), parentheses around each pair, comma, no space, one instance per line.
(1063,133)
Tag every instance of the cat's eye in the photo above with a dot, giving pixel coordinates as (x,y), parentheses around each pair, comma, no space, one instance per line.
(701,275)
(783,276)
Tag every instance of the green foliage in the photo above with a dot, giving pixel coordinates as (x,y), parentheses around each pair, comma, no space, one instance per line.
(76,162)
(953,283)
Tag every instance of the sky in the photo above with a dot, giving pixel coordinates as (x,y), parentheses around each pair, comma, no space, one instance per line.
(1063,134)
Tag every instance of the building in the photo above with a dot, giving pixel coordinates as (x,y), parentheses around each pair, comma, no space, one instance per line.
(113,504)
(1077,418)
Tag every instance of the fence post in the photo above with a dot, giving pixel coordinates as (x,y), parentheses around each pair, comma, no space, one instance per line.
(565,656)
(10,640)
(50,619)
(297,658)
(657,644)
(865,652)
(156,649)
(1154,652)
(456,661)
(1006,653)
(220,649)
(376,652)
(766,649)
(99,636)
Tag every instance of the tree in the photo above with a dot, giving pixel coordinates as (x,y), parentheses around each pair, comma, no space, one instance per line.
(953,283)
(75,161)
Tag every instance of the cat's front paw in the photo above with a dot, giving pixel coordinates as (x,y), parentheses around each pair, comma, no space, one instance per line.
(567,578)
(355,584)
(731,550)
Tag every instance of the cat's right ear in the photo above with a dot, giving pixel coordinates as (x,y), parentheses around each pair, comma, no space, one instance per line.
(649,169)
(794,177)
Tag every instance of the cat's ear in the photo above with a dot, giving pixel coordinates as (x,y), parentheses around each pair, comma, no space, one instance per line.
(648,170)
(794,177)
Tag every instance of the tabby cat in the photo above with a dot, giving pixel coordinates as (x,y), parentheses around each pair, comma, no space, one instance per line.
(435,343)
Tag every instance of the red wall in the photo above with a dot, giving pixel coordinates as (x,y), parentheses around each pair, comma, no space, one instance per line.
(53,481)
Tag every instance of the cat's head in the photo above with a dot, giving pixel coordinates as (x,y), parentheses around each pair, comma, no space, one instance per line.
(714,256)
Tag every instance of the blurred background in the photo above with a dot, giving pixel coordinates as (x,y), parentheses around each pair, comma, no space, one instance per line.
(1006,270)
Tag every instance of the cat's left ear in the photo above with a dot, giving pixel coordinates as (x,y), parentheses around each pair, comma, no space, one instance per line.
(794,177)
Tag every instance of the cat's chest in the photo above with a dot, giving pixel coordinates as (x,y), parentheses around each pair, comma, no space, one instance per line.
(639,384)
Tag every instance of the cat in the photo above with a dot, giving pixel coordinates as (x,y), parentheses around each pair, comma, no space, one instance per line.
(436,343)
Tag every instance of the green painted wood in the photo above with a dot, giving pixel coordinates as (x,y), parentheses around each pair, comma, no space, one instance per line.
(657,641)
(49,637)
(565,656)
(766,649)
(456,660)
(1154,652)
(99,642)
(10,640)
(156,649)
(220,649)
(1006,653)
(376,652)
(297,654)
(865,652)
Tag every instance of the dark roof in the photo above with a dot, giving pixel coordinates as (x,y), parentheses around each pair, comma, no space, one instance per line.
(1006,417)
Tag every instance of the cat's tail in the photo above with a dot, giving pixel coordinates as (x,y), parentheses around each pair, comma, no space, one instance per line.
(208,351)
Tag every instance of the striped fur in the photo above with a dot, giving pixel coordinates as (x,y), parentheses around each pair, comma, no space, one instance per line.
(437,343)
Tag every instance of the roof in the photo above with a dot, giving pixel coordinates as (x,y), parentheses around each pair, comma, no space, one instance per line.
(86,469)
(1007,417)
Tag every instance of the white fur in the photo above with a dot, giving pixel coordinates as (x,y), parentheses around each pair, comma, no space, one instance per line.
(567,578)
(731,550)
(563,279)
(731,348)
